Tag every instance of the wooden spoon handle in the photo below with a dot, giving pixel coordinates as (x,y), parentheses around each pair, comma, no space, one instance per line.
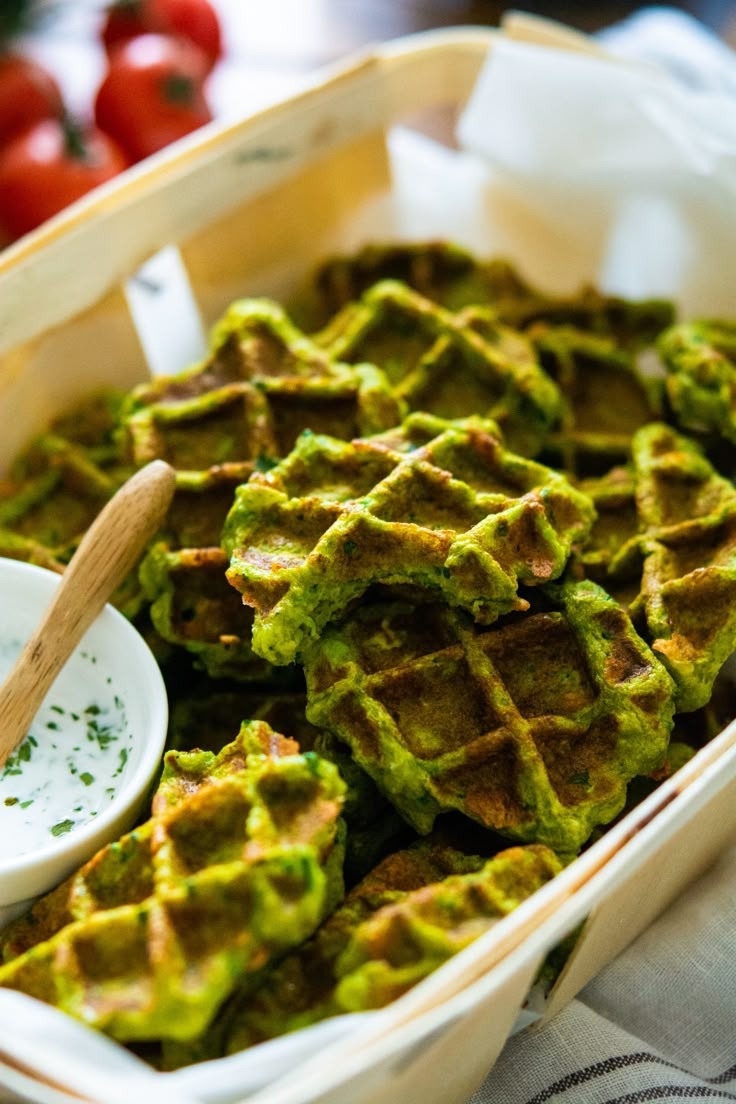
(106,554)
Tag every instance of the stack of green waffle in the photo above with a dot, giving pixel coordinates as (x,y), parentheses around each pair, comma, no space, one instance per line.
(440,507)
(263,383)
(240,862)
(459,543)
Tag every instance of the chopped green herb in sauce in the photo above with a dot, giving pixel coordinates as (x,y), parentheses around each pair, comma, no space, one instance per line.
(66,771)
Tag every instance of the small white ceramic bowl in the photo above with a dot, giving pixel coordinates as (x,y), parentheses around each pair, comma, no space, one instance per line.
(109,701)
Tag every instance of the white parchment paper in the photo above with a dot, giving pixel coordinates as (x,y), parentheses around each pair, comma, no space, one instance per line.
(617,154)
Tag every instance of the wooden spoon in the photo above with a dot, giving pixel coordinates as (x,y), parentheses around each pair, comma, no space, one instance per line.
(106,554)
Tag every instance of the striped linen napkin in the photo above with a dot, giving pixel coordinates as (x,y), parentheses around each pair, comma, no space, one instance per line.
(659,1024)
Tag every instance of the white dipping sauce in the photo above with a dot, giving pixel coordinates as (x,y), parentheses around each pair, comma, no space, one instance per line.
(70,765)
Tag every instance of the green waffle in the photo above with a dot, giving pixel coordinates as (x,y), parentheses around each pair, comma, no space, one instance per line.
(206,715)
(435,505)
(58,496)
(520,304)
(687,514)
(532,727)
(238,864)
(605,398)
(404,942)
(43,518)
(700,358)
(15,547)
(408,916)
(616,522)
(263,383)
(437,363)
(415,910)
(58,487)
(665,544)
(183,577)
(59,484)
(439,271)
(91,427)
(452,277)
(200,505)
(193,607)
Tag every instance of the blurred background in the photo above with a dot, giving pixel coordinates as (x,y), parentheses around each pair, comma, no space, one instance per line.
(83,77)
(270,44)
(312,31)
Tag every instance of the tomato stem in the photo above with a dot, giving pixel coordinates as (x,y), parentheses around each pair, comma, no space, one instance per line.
(17,16)
(75,145)
(178,89)
(125,7)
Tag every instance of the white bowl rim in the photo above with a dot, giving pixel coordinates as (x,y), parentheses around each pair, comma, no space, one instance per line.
(134,786)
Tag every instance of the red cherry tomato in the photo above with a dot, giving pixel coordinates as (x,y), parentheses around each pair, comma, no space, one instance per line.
(27,94)
(193,20)
(152,94)
(123,21)
(49,166)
